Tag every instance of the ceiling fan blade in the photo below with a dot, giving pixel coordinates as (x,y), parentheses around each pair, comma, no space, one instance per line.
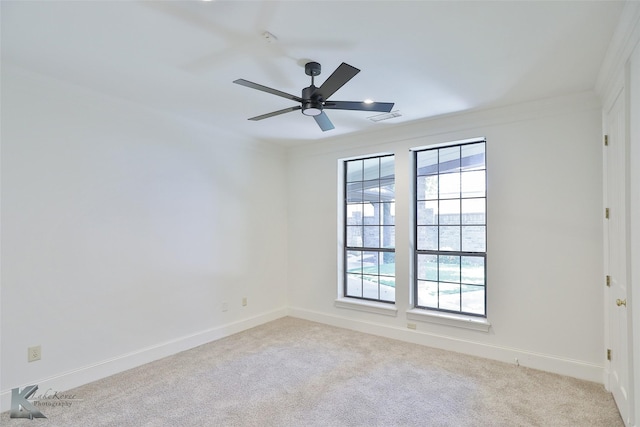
(323,121)
(340,76)
(276,113)
(247,83)
(384,107)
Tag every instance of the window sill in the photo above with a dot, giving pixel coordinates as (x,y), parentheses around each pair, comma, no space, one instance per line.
(368,306)
(450,319)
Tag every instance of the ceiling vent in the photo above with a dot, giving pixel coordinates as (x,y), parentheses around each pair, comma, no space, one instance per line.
(385,116)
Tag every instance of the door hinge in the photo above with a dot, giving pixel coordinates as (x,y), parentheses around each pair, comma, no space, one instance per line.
(606,213)
(608,354)
(608,280)
(606,140)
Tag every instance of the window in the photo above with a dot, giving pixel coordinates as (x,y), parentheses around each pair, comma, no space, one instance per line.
(369,212)
(450,229)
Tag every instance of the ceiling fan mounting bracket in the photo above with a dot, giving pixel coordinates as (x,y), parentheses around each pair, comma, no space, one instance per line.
(312,69)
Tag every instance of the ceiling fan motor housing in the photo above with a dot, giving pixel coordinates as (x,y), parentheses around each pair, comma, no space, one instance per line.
(311,105)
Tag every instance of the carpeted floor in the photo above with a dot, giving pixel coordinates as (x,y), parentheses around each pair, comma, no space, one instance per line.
(293,372)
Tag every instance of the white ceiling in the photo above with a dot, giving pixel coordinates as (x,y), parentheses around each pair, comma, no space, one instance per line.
(428,57)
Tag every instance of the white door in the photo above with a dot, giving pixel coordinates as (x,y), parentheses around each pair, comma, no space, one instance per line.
(616,255)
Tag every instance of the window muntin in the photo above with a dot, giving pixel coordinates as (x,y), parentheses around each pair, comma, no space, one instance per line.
(450,229)
(369,211)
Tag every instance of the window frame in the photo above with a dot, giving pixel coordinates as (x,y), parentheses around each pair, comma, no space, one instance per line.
(381,304)
(438,311)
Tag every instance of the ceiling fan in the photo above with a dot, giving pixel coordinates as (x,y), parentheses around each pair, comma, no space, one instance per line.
(314,100)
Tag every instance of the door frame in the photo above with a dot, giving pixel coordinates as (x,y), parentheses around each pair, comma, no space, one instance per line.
(621,90)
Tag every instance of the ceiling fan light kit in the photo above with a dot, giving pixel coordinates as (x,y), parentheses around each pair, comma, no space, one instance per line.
(314,100)
(311,108)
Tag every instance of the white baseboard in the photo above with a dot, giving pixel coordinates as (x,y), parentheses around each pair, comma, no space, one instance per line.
(86,374)
(544,362)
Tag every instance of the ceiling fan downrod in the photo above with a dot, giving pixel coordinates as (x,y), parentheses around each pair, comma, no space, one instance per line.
(311,106)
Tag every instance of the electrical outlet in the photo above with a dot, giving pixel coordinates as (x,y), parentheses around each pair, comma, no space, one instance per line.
(225,306)
(411,325)
(244,301)
(34,353)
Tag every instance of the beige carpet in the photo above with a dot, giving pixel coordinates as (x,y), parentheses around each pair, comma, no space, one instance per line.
(292,372)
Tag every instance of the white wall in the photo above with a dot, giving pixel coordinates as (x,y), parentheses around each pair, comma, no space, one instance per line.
(125,230)
(544,233)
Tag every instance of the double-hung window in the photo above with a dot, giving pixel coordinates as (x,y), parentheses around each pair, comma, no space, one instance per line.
(450,228)
(369,228)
